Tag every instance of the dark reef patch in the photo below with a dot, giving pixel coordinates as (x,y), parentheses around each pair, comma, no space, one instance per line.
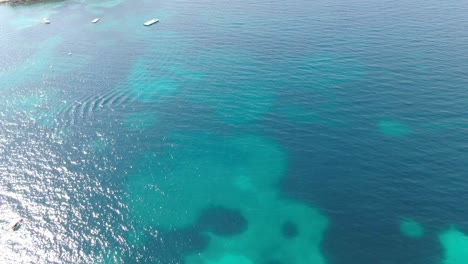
(289,229)
(222,221)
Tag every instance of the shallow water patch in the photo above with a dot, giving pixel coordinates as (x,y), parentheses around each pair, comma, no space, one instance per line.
(455,245)
(21,17)
(203,172)
(146,84)
(264,240)
(43,68)
(411,228)
(33,67)
(393,128)
(41,106)
(139,121)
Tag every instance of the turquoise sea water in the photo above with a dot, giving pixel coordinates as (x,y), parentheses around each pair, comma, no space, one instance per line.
(235,132)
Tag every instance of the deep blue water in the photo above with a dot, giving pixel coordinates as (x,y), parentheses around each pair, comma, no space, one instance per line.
(235,132)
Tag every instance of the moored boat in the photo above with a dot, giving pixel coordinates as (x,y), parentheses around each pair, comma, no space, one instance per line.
(151,22)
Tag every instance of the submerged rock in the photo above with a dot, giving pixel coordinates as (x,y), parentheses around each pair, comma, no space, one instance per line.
(222,221)
(261,244)
(289,229)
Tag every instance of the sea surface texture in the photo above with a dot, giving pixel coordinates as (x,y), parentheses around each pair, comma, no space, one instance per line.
(235,132)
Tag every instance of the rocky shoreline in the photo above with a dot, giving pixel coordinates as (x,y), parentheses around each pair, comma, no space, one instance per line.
(14,1)
(17,2)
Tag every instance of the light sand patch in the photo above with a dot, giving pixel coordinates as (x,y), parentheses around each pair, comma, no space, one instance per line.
(411,228)
(241,173)
(393,128)
(455,244)
(264,241)
(146,83)
(202,175)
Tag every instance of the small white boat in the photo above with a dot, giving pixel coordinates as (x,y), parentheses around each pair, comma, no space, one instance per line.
(95,20)
(15,224)
(151,22)
(45,21)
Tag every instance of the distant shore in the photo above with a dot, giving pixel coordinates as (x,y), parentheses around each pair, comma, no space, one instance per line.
(14,1)
(17,2)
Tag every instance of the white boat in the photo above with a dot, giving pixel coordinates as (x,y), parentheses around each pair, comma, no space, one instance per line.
(14,225)
(45,21)
(95,20)
(151,22)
